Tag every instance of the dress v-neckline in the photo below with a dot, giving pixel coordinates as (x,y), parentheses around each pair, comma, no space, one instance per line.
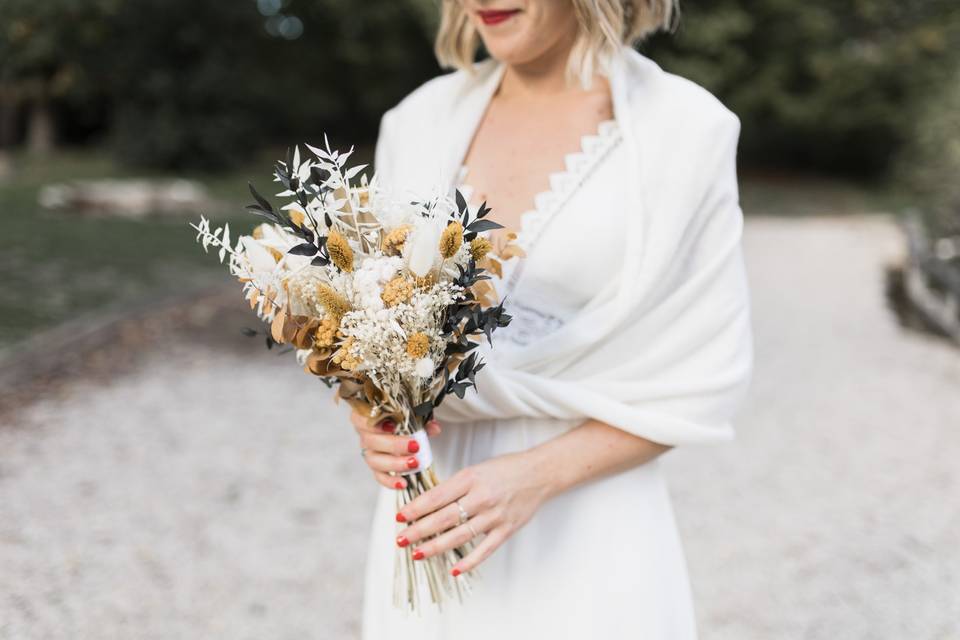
(578,166)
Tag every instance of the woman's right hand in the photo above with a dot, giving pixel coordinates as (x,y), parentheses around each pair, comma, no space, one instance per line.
(385,452)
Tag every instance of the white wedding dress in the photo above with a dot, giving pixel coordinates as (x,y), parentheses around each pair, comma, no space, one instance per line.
(602,561)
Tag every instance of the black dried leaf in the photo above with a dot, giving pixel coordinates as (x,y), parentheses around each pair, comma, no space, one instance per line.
(423,410)
(483,225)
(306,249)
(270,342)
(461,202)
(465,366)
(319,174)
(260,199)
(256,210)
(320,261)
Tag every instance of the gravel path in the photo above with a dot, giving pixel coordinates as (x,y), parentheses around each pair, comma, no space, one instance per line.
(172,502)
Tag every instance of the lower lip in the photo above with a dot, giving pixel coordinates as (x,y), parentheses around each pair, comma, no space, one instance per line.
(496,17)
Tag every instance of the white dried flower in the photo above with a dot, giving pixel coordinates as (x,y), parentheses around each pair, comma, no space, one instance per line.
(424,367)
(423,246)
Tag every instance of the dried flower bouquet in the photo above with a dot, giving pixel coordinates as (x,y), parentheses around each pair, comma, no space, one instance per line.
(381,294)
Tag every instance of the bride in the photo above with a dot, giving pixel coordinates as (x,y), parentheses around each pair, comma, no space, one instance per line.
(631,330)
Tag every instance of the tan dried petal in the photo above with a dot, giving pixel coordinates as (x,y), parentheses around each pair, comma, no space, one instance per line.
(363,196)
(276,327)
(297,217)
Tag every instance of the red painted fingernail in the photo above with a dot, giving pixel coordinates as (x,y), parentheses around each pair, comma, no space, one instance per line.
(401,518)
(412,463)
(455,572)
(388,425)
(413,446)
(402,541)
(418,555)
(398,484)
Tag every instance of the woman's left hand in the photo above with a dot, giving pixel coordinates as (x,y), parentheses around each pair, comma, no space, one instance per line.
(499,495)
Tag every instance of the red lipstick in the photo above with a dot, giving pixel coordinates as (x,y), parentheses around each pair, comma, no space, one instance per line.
(496,16)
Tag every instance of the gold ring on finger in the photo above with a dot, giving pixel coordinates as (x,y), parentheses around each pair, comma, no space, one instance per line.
(463,513)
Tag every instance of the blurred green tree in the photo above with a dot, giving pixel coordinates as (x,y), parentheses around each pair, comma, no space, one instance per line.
(821,85)
(44,59)
(205,84)
(930,164)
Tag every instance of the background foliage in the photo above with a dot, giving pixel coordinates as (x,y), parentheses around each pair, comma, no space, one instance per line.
(930,163)
(201,83)
(121,88)
(821,86)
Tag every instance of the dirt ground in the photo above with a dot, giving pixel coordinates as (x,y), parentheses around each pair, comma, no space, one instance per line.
(163,496)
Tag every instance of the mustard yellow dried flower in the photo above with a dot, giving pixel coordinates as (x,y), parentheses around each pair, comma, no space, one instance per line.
(326,333)
(341,254)
(394,239)
(332,302)
(344,358)
(418,345)
(396,291)
(479,248)
(451,239)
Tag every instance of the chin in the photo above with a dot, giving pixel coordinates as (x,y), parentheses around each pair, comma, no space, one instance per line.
(515,48)
(510,55)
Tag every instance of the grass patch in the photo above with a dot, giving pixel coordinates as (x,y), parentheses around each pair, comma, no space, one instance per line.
(58,266)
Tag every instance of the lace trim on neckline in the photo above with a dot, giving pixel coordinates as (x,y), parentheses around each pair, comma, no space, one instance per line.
(578,165)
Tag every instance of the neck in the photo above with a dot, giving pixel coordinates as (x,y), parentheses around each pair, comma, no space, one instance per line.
(544,75)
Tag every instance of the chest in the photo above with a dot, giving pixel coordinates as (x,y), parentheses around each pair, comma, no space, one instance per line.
(573,236)
(516,149)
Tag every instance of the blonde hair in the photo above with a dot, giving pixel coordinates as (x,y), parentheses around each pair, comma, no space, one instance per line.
(603,27)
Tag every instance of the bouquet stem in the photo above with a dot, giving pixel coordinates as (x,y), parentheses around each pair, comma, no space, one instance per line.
(435,570)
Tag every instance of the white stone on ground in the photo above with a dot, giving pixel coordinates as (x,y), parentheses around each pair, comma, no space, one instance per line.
(175,502)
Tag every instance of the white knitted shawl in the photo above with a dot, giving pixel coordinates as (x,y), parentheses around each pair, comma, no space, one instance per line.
(664,349)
